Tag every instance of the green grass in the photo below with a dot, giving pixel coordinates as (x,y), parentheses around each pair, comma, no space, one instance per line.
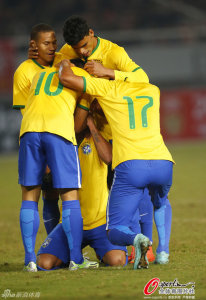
(187,247)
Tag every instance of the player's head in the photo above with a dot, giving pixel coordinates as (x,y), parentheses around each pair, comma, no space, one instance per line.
(77,33)
(43,37)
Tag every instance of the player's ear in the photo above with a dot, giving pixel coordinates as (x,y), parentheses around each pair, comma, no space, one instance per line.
(91,32)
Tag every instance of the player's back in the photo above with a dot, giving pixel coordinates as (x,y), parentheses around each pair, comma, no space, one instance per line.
(132,110)
(50,106)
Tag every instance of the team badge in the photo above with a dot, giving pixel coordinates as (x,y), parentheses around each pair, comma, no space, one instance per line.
(46,243)
(86,148)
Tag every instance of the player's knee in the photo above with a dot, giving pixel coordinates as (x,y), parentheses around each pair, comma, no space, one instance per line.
(115,258)
(45,261)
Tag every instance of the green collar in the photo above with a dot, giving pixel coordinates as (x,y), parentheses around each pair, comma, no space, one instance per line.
(42,67)
(98,42)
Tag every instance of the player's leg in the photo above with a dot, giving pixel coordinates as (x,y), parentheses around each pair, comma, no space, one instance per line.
(159,189)
(50,198)
(163,220)
(122,206)
(72,223)
(54,252)
(146,220)
(63,161)
(31,166)
(111,255)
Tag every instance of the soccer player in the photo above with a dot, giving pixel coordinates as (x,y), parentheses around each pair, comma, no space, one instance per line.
(43,37)
(145,216)
(140,158)
(47,137)
(93,201)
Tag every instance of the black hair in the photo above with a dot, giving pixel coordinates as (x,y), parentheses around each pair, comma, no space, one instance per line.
(78,62)
(41,27)
(75,29)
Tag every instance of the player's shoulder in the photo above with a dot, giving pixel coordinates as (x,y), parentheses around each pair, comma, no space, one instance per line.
(25,64)
(155,88)
(68,51)
(109,44)
(26,68)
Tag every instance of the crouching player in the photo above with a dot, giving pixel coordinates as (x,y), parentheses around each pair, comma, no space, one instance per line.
(140,157)
(93,197)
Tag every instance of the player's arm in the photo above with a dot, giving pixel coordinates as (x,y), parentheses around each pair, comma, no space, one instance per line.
(104,148)
(126,69)
(68,78)
(97,69)
(92,86)
(21,87)
(80,119)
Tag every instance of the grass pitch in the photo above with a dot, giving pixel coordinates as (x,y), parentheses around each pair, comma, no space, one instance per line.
(187,246)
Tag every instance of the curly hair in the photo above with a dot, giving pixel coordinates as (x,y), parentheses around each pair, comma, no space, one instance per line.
(75,29)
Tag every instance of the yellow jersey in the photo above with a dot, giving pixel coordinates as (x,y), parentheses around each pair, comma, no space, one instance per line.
(132,110)
(93,195)
(23,77)
(112,56)
(50,106)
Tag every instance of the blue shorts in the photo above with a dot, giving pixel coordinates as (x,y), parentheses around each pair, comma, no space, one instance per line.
(40,149)
(56,243)
(130,180)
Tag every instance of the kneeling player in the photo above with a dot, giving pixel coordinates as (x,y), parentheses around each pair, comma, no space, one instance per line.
(93,200)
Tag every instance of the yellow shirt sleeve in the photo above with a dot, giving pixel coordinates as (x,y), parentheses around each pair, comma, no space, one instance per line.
(21,87)
(126,68)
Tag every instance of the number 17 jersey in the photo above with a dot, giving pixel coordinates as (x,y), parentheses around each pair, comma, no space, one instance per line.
(132,110)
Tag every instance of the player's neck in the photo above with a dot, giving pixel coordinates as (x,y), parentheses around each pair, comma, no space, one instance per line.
(44,63)
(95,42)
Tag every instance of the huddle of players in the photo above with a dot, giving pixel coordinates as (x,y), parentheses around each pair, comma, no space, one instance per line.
(113,63)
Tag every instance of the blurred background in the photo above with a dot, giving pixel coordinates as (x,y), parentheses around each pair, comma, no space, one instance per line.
(167,38)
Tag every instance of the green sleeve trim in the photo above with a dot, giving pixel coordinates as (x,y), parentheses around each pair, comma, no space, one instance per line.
(18,106)
(37,63)
(85,84)
(136,69)
(83,107)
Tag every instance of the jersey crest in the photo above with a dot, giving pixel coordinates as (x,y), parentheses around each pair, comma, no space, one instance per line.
(86,148)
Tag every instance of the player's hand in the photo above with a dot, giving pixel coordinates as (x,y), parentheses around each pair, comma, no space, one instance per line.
(65,66)
(90,121)
(66,62)
(33,50)
(95,68)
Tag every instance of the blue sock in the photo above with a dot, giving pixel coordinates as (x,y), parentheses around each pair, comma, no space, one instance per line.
(73,227)
(163,219)
(146,215)
(51,214)
(121,235)
(29,223)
